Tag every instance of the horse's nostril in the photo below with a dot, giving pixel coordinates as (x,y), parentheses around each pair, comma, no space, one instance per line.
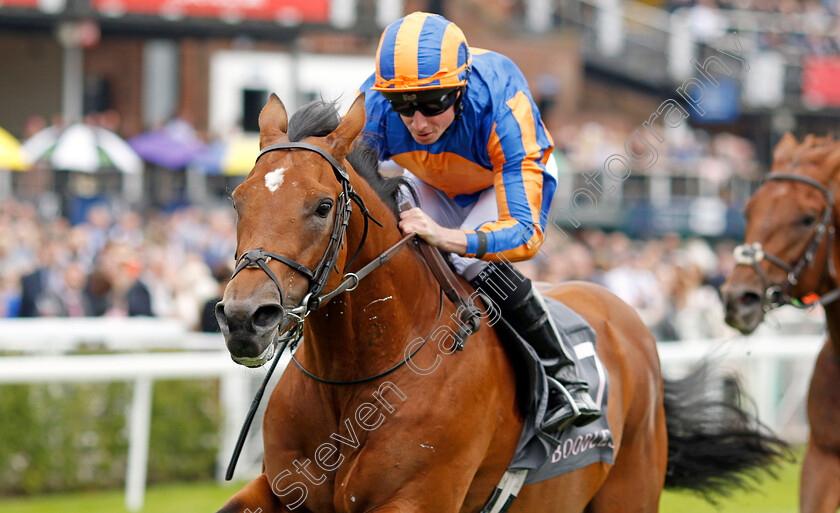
(750,299)
(268,316)
(221,318)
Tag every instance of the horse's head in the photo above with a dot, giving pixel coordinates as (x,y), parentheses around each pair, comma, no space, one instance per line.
(292,212)
(789,233)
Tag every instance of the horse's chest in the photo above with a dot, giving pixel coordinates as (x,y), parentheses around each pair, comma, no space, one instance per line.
(314,461)
(325,480)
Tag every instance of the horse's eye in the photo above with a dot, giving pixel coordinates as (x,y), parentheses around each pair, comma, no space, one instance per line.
(324,208)
(808,220)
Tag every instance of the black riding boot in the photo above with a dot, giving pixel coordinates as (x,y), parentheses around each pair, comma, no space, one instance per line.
(523,307)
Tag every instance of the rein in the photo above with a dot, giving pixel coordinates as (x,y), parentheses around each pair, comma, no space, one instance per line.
(351,280)
(381,374)
(294,335)
(779,295)
(258,259)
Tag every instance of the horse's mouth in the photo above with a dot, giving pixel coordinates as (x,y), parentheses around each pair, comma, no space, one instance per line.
(261,359)
(288,323)
(745,323)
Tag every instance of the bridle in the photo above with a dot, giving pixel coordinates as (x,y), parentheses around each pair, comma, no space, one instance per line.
(259,258)
(752,254)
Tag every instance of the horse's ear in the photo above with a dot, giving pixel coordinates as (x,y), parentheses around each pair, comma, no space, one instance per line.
(341,139)
(832,162)
(783,153)
(273,119)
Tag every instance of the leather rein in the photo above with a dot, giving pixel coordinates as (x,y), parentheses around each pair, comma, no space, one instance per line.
(258,259)
(752,254)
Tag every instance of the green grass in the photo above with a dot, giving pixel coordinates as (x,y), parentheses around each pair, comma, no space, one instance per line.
(771,496)
(179,498)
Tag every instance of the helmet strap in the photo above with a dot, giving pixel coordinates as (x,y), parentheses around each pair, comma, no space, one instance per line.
(459,105)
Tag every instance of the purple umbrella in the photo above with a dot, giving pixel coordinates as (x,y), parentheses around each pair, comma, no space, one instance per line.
(172,147)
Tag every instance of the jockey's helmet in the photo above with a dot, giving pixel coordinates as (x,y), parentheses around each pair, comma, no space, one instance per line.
(421,51)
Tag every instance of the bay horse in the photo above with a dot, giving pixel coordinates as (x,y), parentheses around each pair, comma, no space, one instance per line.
(790,257)
(369,421)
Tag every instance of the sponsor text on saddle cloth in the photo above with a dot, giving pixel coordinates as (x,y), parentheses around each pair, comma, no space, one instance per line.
(549,455)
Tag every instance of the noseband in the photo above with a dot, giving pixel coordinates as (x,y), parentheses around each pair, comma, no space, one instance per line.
(259,258)
(752,254)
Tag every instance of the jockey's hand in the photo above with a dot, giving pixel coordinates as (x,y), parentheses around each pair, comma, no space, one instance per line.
(416,221)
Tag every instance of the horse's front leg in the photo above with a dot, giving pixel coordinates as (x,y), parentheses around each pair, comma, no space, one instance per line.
(820,492)
(414,505)
(254,497)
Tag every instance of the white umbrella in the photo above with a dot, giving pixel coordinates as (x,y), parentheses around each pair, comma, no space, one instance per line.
(83,148)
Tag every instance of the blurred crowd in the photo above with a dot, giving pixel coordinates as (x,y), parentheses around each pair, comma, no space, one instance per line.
(175,265)
(809,27)
(684,150)
(671,282)
(114,263)
(722,165)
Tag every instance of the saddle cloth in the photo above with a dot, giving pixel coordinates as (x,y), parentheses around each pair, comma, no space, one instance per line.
(547,455)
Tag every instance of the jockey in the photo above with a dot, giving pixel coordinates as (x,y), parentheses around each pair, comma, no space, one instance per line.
(463,125)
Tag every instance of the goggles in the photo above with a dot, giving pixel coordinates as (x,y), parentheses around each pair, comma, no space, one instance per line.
(431,103)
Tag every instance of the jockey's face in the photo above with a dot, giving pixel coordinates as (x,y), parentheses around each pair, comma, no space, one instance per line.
(428,129)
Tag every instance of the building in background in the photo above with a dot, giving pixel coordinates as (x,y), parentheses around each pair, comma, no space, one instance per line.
(706,76)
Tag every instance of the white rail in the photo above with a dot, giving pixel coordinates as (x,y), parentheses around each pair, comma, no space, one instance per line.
(775,371)
(142,370)
(51,335)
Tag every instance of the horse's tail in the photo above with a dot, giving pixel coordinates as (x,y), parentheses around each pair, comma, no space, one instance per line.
(714,445)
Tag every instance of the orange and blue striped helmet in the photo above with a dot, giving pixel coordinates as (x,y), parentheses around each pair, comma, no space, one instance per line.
(421,51)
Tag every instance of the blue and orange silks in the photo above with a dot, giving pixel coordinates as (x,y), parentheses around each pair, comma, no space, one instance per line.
(498,141)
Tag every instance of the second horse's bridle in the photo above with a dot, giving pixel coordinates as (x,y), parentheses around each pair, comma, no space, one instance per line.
(752,254)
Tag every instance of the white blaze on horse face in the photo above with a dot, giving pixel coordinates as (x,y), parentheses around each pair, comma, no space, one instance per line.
(274,179)
(781,191)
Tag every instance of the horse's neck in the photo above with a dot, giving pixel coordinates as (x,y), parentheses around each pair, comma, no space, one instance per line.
(365,331)
(832,321)
(832,310)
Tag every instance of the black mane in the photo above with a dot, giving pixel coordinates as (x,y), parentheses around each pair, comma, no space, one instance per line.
(319,119)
